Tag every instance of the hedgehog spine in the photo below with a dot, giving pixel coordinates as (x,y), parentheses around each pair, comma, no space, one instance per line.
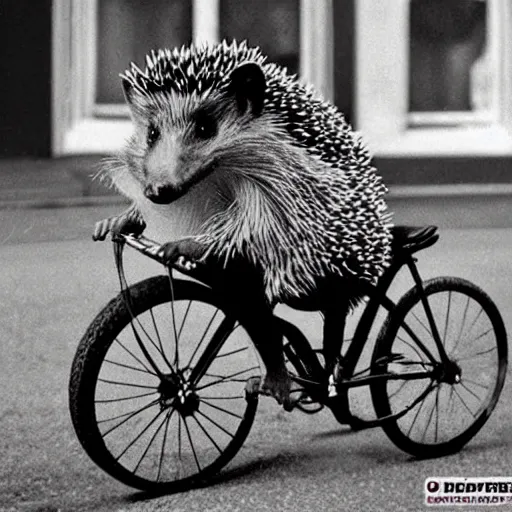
(307,202)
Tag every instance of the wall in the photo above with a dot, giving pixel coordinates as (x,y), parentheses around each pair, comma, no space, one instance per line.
(25,71)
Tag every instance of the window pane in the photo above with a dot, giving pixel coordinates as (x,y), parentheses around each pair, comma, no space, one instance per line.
(448,68)
(273,25)
(128,29)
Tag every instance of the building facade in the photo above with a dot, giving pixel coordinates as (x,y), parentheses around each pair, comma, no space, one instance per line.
(428,82)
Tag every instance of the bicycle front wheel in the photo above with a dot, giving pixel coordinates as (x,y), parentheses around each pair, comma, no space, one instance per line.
(158,392)
(445,410)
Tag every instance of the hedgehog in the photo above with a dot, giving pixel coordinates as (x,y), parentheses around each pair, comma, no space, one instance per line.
(235,161)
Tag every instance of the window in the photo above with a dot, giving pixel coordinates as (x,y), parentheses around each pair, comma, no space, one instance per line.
(454,64)
(433,76)
(127,30)
(271,24)
(94,41)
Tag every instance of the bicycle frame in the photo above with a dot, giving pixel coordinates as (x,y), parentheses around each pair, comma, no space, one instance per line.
(378,298)
(349,379)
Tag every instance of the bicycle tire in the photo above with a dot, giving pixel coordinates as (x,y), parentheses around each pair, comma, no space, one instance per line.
(488,315)
(104,335)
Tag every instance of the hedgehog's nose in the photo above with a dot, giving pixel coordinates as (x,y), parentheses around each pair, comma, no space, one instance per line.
(161,194)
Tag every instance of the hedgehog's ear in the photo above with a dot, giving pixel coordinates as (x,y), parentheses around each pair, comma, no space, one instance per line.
(127,89)
(248,85)
(133,101)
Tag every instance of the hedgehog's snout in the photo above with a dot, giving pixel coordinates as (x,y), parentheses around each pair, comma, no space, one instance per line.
(161,194)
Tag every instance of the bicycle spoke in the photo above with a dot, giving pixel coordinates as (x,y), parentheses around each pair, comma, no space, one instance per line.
(464,403)
(130,384)
(428,422)
(216,424)
(207,434)
(417,340)
(463,322)
(485,333)
(469,391)
(213,348)
(123,365)
(222,409)
(133,355)
(192,444)
(143,348)
(144,430)
(451,401)
(179,437)
(427,329)
(481,353)
(228,378)
(162,450)
(124,414)
(475,383)
(415,418)
(150,339)
(404,382)
(132,397)
(173,316)
(157,332)
(153,437)
(236,351)
(146,407)
(437,415)
(202,338)
(410,345)
(184,318)
(474,322)
(447,316)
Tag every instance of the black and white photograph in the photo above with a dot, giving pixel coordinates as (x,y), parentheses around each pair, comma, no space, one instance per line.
(255,255)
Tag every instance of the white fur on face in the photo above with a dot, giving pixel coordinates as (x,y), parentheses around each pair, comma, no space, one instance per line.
(172,162)
(184,217)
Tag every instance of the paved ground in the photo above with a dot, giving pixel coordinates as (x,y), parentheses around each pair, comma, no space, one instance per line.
(54,280)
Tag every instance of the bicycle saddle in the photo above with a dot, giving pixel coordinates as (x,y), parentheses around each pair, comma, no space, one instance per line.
(411,239)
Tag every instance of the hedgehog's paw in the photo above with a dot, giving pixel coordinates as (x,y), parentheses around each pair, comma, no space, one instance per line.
(278,385)
(126,223)
(101,229)
(187,248)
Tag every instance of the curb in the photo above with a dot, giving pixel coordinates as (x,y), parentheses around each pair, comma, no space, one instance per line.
(62,202)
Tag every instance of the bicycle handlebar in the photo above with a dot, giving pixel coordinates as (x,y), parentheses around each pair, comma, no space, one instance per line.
(154,250)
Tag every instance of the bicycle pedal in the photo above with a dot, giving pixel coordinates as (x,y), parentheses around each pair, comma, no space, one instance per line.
(335,377)
(252,386)
(331,387)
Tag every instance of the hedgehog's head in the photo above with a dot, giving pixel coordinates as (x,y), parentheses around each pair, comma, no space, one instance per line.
(191,110)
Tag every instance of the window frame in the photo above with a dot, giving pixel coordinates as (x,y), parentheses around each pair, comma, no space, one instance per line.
(382,83)
(81,126)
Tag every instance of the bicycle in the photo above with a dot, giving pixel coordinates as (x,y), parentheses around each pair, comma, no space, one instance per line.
(163,414)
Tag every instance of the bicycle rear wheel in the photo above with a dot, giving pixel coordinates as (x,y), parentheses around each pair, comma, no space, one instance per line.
(456,401)
(158,389)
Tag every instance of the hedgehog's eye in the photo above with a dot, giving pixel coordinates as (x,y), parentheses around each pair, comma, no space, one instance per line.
(205,127)
(153,135)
